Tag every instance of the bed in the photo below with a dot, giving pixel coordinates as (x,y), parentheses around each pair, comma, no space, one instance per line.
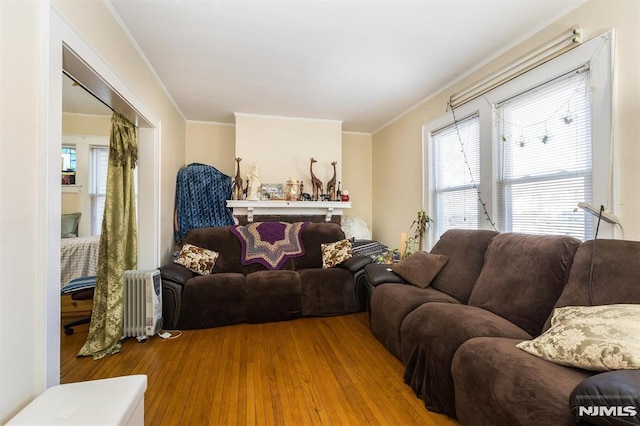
(78,257)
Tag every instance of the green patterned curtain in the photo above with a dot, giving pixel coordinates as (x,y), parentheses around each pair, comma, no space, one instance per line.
(118,241)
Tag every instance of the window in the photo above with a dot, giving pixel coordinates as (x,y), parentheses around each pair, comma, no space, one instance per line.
(98,186)
(544,158)
(528,151)
(68,158)
(456,174)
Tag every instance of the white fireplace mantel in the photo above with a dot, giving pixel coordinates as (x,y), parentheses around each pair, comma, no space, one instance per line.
(251,208)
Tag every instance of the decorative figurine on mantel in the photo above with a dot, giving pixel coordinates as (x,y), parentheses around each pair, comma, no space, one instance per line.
(254,183)
(331,185)
(237,190)
(316,183)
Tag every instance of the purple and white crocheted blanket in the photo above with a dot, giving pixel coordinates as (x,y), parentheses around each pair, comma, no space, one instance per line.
(270,243)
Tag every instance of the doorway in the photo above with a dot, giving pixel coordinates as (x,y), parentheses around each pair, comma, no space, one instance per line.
(71,54)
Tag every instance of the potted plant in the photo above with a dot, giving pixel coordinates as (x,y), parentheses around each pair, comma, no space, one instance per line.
(419,226)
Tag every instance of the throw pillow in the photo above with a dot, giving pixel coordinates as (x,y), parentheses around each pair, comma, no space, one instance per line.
(420,268)
(597,338)
(69,225)
(335,253)
(197,259)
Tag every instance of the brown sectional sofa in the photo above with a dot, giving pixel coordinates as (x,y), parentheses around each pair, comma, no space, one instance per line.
(236,293)
(457,337)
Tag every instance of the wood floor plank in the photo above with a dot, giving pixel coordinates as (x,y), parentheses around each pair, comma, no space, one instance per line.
(310,371)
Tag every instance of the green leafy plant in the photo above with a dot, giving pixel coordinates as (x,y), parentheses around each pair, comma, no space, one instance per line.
(419,226)
(391,256)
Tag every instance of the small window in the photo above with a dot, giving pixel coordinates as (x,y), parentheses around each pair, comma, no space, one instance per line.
(456,173)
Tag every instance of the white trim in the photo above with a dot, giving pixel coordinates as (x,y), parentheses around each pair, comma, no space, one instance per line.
(48,298)
(280,117)
(210,123)
(345,132)
(135,44)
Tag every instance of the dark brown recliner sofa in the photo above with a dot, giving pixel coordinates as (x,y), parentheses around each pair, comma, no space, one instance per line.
(235,293)
(460,355)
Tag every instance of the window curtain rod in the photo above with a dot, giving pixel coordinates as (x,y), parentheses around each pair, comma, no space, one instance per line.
(553,48)
(87,90)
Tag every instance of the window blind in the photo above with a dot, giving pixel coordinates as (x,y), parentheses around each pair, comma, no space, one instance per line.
(545,158)
(456,168)
(98,186)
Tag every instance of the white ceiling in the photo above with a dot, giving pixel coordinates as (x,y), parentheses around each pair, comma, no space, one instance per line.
(363,62)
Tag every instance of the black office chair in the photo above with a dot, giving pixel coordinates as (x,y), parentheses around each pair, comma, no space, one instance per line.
(79,289)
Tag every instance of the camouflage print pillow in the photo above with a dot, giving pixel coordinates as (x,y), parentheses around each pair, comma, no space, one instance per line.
(197,259)
(335,253)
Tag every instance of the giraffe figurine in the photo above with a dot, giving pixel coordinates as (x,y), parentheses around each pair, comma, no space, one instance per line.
(237,183)
(316,183)
(331,185)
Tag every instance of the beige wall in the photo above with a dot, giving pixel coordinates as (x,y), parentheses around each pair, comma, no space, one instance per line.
(211,143)
(397,148)
(356,174)
(283,146)
(86,124)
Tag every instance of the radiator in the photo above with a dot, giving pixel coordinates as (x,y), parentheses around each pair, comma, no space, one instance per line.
(142,301)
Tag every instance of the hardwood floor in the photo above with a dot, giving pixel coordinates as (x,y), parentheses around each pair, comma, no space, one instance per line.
(310,371)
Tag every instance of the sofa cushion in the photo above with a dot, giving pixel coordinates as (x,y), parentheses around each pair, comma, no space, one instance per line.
(429,338)
(465,249)
(273,296)
(213,300)
(327,291)
(595,338)
(523,276)
(390,304)
(313,236)
(498,384)
(616,274)
(335,253)
(221,240)
(420,268)
(197,259)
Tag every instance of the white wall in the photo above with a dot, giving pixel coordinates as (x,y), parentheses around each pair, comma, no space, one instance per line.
(22,287)
(283,146)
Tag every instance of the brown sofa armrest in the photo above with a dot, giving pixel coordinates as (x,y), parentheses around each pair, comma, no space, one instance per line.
(175,273)
(355,264)
(171,304)
(376,274)
(618,391)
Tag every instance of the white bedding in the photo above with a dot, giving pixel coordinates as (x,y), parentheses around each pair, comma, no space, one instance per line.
(78,258)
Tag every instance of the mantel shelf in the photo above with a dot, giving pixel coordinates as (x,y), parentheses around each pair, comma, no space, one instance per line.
(251,208)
